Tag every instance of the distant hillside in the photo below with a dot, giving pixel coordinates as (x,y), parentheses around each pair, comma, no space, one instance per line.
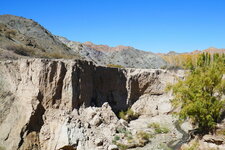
(182,59)
(105,48)
(21,37)
(124,56)
(25,37)
(211,50)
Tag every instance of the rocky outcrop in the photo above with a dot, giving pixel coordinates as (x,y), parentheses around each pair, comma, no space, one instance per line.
(125,56)
(206,142)
(52,104)
(105,48)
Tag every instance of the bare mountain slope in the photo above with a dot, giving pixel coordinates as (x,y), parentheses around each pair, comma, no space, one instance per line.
(21,37)
(121,55)
(26,37)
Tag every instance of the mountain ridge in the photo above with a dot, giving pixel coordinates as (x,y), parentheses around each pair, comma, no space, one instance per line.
(125,56)
(30,39)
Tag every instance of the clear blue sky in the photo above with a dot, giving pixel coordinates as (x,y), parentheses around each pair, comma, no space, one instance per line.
(152,25)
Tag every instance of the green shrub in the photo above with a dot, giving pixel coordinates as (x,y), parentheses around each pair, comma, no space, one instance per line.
(122,115)
(162,130)
(144,135)
(138,140)
(122,146)
(128,115)
(121,130)
(143,138)
(158,129)
(129,137)
(153,125)
(200,95)
(116,138)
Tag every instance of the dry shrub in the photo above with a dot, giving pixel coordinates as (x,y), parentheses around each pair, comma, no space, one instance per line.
(21,50)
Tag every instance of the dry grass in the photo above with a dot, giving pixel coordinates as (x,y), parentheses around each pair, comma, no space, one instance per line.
(220,132)
(114,66)
(33,52)
(2,148)
(21,50)
(158,129)
(58,55)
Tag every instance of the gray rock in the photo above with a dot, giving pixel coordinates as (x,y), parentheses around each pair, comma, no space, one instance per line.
(99,142)
(113,147)
(126,56)
(31,39)
(96,121)
(218,140)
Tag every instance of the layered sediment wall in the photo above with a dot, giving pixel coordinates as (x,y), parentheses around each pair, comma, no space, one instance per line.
(48,104)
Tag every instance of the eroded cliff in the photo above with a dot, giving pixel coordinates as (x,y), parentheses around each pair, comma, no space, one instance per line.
(50,104)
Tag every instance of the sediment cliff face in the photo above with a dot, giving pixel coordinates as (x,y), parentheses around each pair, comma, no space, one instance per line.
(52,104)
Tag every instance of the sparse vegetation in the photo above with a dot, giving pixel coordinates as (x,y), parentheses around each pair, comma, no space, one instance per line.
(139,139)
(21,50)
(220,132)
(10,33)
(162,130)
(58,55)
(153,125)
(7,32)
(143,137)
(15,41)
(171,67)
(29,51)
(116,138)
(194,146)
(122,146)
(181,60)
(158,129)
(190,61)
(2,148)
(121,130)
(164,147)
(114,66)
(128,115)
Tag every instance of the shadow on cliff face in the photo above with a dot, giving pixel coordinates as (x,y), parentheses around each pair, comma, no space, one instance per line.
(92,86)
(110,86)
(30,132)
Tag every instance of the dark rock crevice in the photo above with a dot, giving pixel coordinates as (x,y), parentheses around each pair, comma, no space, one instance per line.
(109,85)
(30,132)
(75,87)
(59,85)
